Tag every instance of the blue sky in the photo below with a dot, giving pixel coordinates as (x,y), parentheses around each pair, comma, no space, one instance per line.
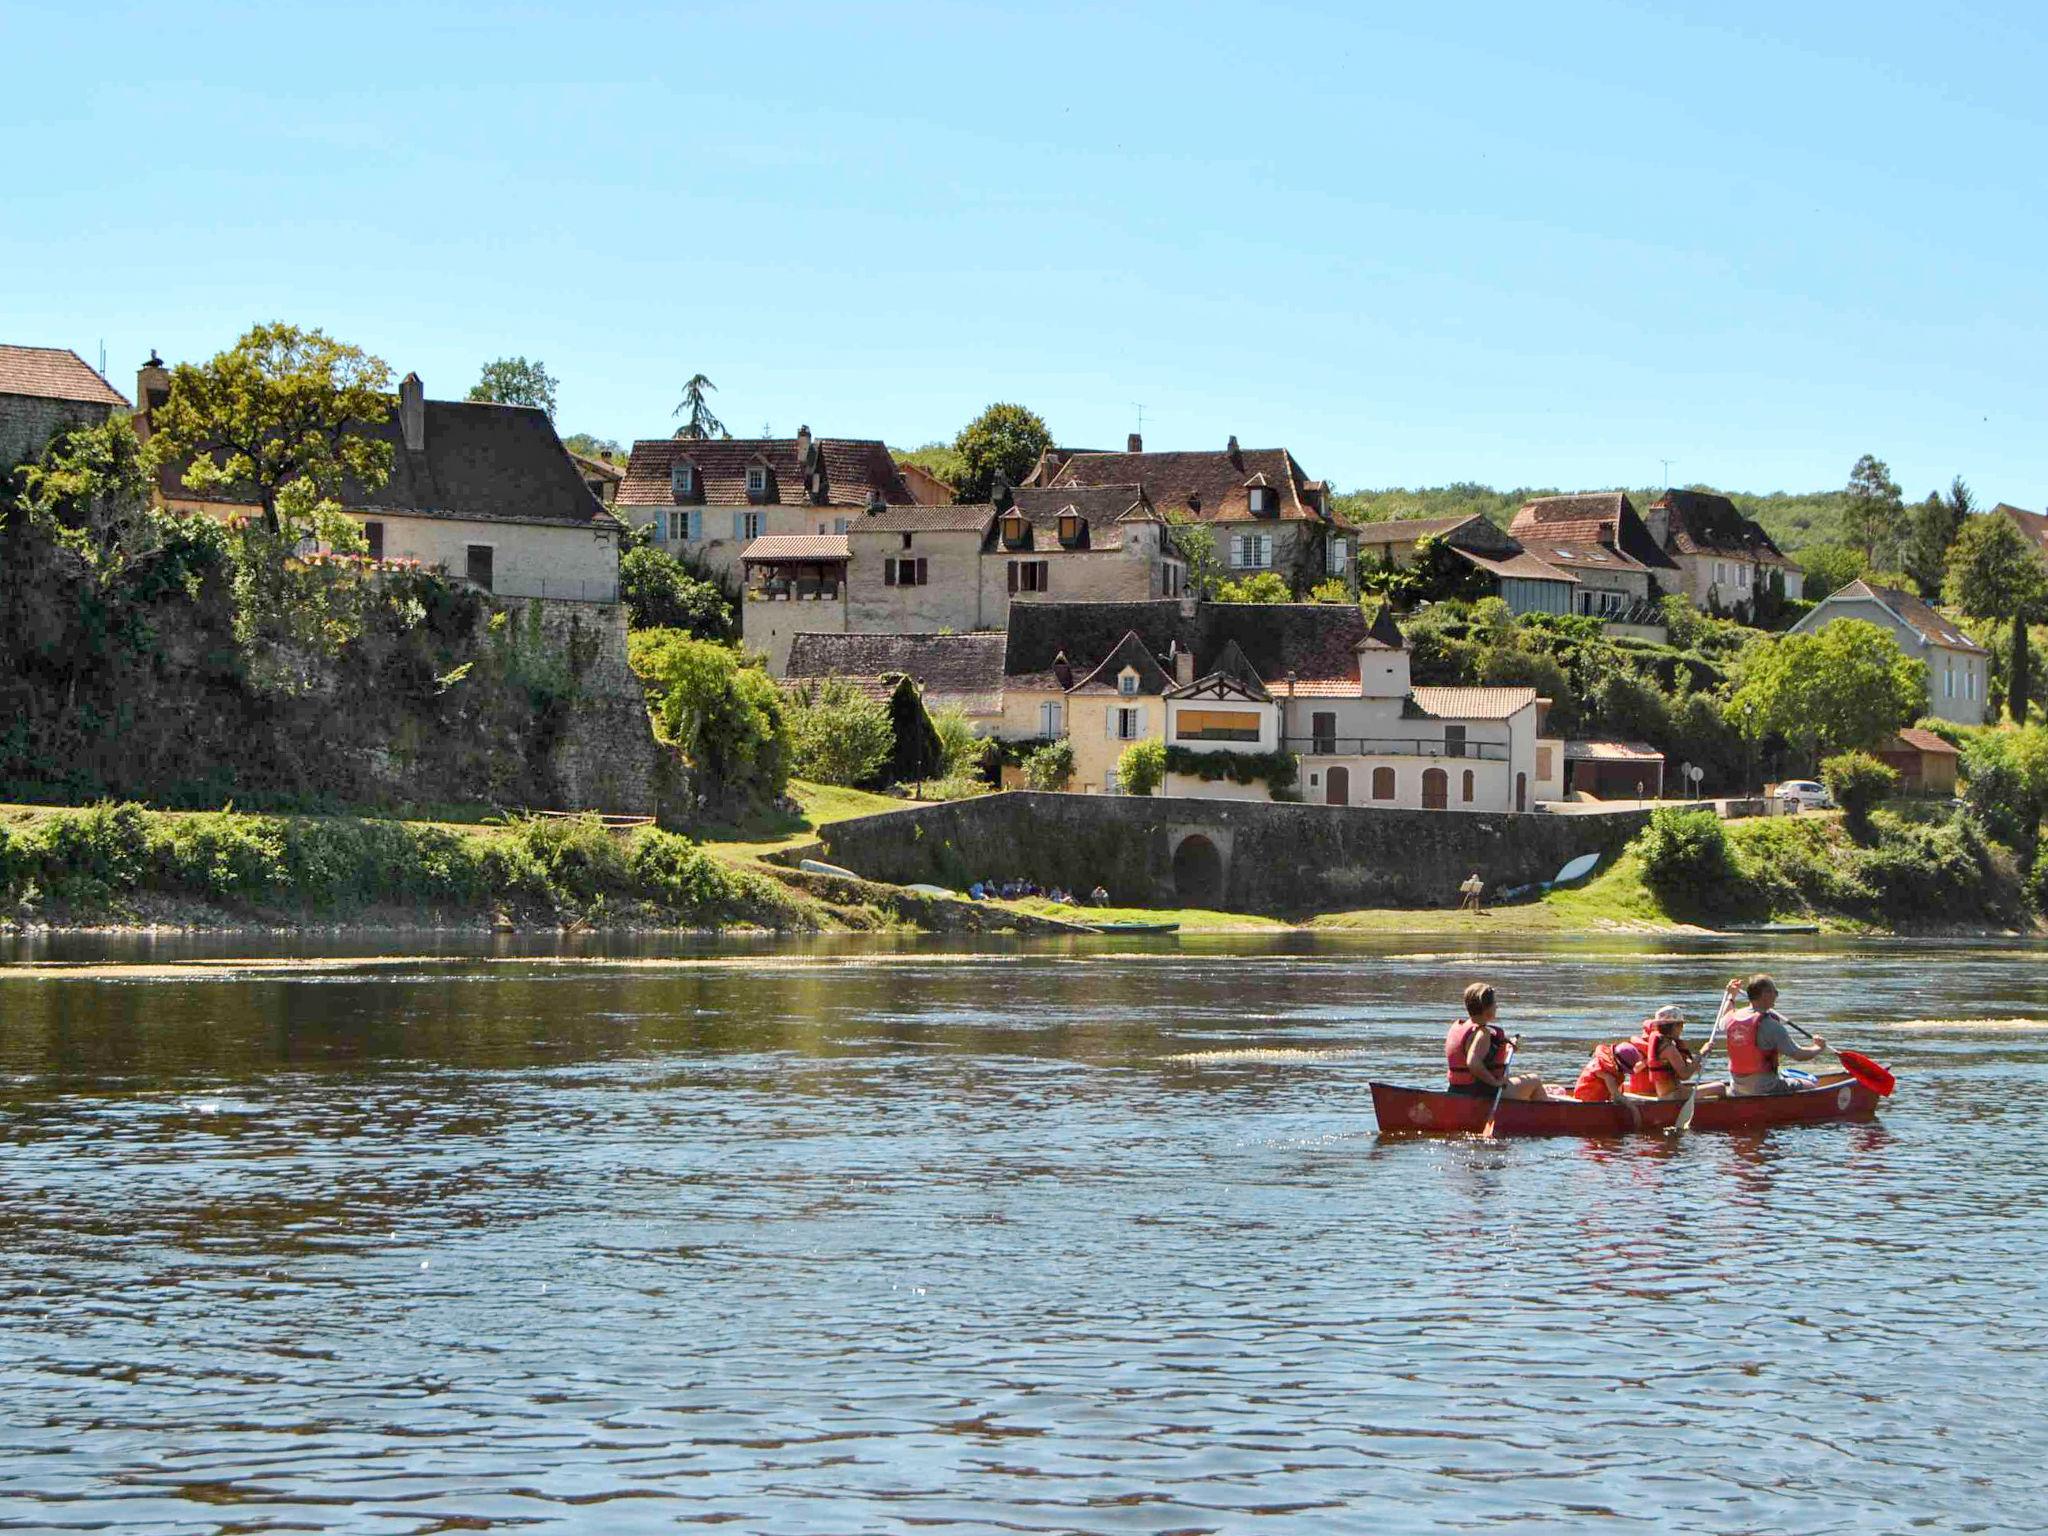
(1515,243)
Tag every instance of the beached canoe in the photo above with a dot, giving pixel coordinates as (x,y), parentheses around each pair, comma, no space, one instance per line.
(1428,1112)
(1135,927)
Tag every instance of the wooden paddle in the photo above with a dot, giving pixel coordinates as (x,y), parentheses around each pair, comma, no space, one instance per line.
(1514,1044)
(1692,1099)
(1872,1075)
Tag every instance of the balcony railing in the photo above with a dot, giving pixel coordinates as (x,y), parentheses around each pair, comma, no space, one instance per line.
(1396,746)
(1214,733)
(794,591)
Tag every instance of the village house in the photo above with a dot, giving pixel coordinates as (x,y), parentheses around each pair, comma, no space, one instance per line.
(479,490)
(1598,539)
(1958,669)
(963,672)
(1314,680)
(708,499)
(926,488)
(45,391)
(2032,525)
(1723,559)
(1267,515)
(601,475)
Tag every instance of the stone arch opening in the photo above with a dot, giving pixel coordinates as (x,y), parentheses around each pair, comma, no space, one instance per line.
(1197,872)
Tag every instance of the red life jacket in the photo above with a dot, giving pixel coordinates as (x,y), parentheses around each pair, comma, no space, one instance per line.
(1458,1046)
(1745,1057)
(1654,1076)
(1602,1060)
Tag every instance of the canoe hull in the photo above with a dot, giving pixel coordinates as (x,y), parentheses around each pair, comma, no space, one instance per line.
(1426,1112)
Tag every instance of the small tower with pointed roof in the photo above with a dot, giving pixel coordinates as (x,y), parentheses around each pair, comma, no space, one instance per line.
(1383,658)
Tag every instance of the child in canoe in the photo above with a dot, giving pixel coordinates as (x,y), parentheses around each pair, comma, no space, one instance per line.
(1607,1072)
(1476,1052)
(1668,1064)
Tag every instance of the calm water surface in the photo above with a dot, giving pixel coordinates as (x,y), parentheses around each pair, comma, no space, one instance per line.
(842,1240)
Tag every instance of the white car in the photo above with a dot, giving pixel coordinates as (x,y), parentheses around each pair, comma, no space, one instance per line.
(1797,795)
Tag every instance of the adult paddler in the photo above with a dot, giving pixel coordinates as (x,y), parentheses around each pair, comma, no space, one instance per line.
(1476,1052)
(1758,1038)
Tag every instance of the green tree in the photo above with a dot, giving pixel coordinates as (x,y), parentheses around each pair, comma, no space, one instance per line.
(281,408)
(1142,768)
(1197,545)
(1929,533)
(1440,574)
(1871,520)
(1859,783)
(660,592)
(1004,439)
(92,485)
(1260,587)
(1050,766)
(919,753)
(698,422)
(515,381)
(1828,568)
(592,446)
(723,711)
(1846,687)
(939,459)
(837,734)
(1995,573)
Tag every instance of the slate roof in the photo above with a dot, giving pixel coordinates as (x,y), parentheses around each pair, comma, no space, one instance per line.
(1102,510)
(1233,674)
(970,518)
(783,548)
(54,373)
(1128,653)
(1917,615)
(855,469)
(1576,522)
(482,462)
(1383,633)
(955,671)
(1208,486)
(1704,523)
(1316,641)
(1471,703)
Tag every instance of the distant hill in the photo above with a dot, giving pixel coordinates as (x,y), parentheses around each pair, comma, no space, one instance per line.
(1794,518)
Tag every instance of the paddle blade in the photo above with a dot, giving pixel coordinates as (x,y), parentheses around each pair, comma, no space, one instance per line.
(1685,1113)
(1878,1079)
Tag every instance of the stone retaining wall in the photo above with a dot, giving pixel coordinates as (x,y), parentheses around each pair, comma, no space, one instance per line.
(1234,855)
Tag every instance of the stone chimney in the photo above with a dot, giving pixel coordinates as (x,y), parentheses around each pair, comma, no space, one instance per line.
(1135,443)
(1236,453)
(152,383)
(412,413)
(803,446)
(1658,521)
(1183,664)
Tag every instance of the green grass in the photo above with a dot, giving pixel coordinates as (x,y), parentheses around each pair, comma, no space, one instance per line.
(1198,919)
(821,805)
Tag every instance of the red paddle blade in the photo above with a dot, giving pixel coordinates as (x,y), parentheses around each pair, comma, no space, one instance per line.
(1878,1079)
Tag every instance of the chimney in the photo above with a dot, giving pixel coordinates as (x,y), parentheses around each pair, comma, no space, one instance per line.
(1135,443)
(1236,453)
(803,446)
(412,413)
(152,383)
(1183,664)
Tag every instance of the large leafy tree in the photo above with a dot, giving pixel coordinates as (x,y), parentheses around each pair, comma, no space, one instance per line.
(721,709)
(1994,572)
(283,416)
(695,409)
(660,592)
(1874,512)
(1846,687)
(1930,531)
(515,381)
(1004,439)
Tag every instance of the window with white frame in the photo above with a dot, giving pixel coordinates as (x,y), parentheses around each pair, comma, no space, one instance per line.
(1261,499)
(682,479)
(682,525)
(1127,683)
(1127,724)
(1049,718)
(757,479)
(1742,576)
(1337,557)
(1251,551)
(841,524)
(1720,572)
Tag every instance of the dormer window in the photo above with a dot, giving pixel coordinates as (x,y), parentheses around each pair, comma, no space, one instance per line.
(682,480)
(1014,531)
(757,479)
(1127,683)
(1264,501)
(1070,528)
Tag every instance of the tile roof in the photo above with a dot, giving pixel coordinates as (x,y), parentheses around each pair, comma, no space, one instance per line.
(1407,530)
(1578,522)
(971,518)
(1931,626)
(1210,486)
(854,469)
(1914,739)
(54,373)
(1523,566)
(1611,752)
(1705,523)
(955,671)
(482,462)
(1315,641)
(604,469)
(1586,554)
(775,548)
(1101,508)
(1471,703)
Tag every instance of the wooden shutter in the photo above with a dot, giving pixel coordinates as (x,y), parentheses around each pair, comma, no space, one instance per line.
(920,570)
(1013,576)
(889,573)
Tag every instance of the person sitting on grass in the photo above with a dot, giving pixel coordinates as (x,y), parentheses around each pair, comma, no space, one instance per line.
(1476,1052)
(1099,896)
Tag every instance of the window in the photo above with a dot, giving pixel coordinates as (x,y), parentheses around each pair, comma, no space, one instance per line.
(1969,682)
(480,565)
(1322,726)
(1543,762)
(1720,572)
(749,525)
(1127,683)
(1742,576)
(1109,783)
(1216,725)
(1948,681)
(1262,498)
(840,524)
(1049,718)
(906,541)
(1468,786)
(1027,576)
(1127,724)
(1383,783)
(903,573)
(682,480)
(1252,551)
(373,535)
(757,479)
(1070,528)
(1454,741)
(1337,557)
(1173,580)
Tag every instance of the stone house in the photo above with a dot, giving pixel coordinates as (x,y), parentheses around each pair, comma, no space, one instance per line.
(708,500)
(1265,512)
(1958,669)
(1312,679)
(479,490)
(916,570)
(1599,540)
(45,391)
(1722,558)
(963,672)
(1099,544)
(793,584)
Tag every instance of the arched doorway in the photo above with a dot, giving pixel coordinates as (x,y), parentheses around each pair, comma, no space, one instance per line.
(1436,790)
(1338,781)
(1197,872)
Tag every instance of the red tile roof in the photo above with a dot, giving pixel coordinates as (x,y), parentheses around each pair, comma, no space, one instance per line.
(854,469)
(1914,739)
(1472,703)
(54,373)
(1209,486)
(1549,526)
(1408,530)
(2032,524)
(1523,566)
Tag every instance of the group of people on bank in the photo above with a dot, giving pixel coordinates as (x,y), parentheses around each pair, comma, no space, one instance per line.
(1655,1062)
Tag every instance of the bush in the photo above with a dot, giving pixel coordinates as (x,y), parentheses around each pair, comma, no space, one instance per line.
(1859,783)
(90,854)
(1264,587)
(661,592)
(961,753)
(1142,768)
(1332,589)
(678,874)
(1686,858)
(1051,766)
(724,713)
(575,855)
(837,734)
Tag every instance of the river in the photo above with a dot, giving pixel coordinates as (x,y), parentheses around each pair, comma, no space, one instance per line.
(1055,1237)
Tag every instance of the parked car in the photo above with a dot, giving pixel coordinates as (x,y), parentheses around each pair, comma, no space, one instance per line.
(1795,795)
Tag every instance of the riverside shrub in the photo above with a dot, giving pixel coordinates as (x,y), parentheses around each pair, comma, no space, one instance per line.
(1859,783)
(1686,859)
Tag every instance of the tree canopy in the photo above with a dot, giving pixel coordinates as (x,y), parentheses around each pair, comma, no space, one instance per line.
(660,592)
(1993,572)
(720,708)
(1873,517)
(1004,439)
(695,409)
(283,407)
(592,446)
(1845,687)
(515,381)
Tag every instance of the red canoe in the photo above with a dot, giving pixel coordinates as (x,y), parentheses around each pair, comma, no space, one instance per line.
(1427,1112)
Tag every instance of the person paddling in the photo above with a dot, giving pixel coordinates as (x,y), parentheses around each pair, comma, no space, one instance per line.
(1476,1052)
(1758,1037)
(1667,1063)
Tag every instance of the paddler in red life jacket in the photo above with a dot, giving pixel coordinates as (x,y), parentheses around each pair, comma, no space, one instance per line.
(1667,1065)
(1476,1052)
(1606,1072)
(1758,1039)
